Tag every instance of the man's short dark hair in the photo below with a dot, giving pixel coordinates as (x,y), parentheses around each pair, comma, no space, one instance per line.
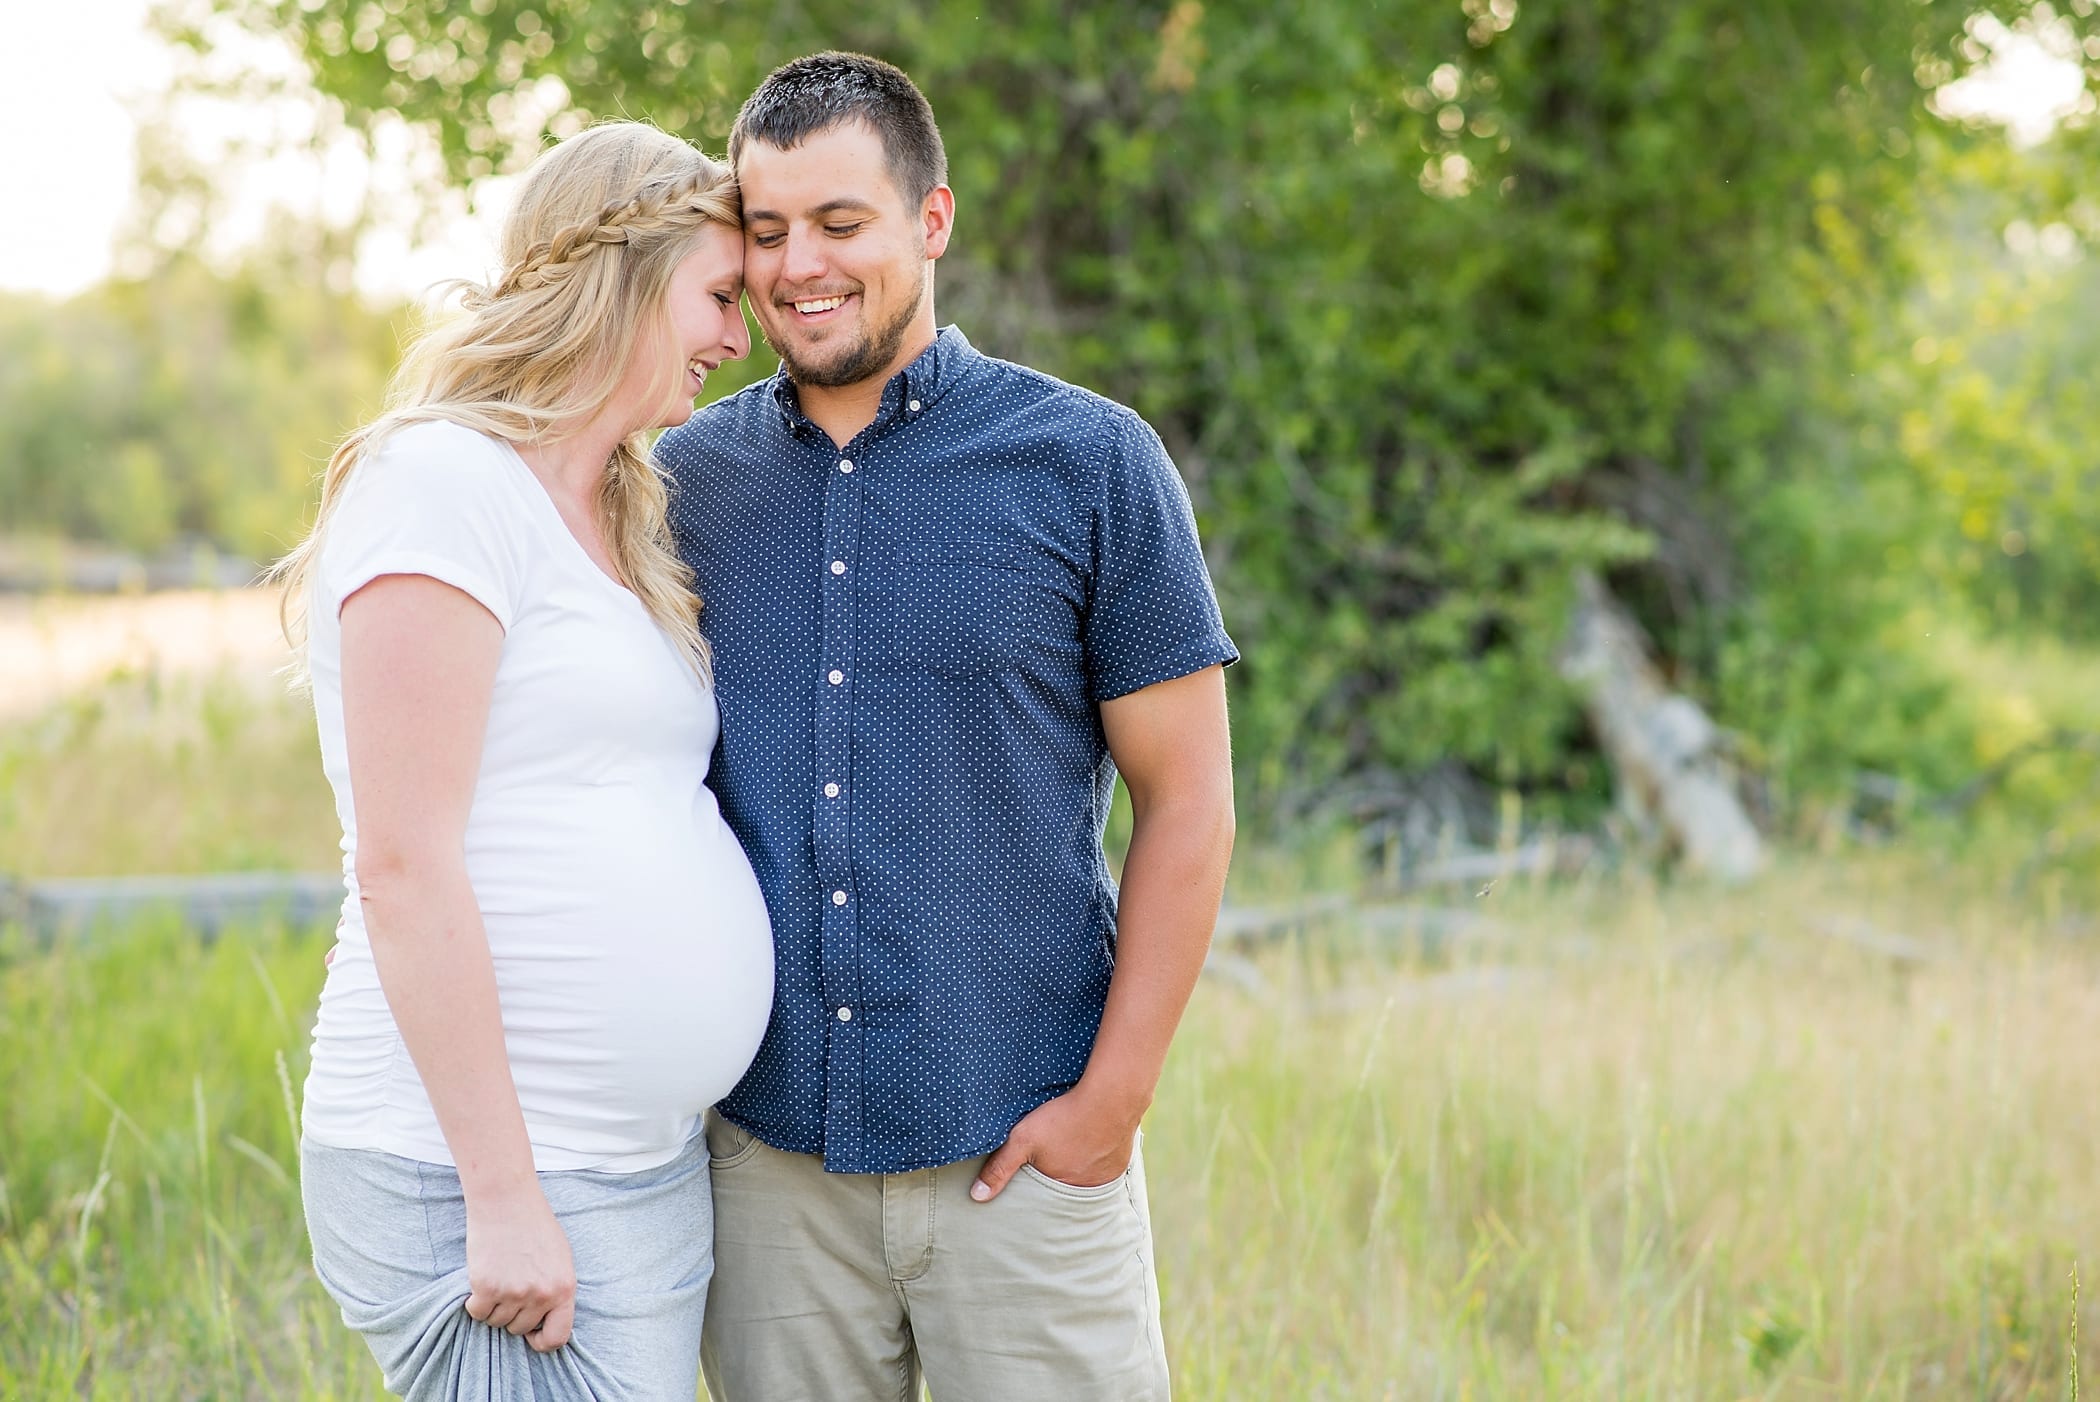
(798,100)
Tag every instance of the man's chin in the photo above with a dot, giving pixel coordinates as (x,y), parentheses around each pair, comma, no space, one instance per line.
(838,368)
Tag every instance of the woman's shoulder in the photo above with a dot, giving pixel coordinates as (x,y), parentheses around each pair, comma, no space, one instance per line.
(441,446)
(440,466)
(434,498)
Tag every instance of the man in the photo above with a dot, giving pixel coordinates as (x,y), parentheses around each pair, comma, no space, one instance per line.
(949,599)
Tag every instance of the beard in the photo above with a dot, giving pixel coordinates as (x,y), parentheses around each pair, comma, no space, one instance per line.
(860,360)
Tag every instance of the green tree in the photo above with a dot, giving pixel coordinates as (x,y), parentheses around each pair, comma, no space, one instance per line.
(1434,303)
(1992,373)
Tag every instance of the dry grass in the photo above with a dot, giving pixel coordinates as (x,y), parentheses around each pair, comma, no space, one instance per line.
(1683,1144)
(154,772)
(1635,1143)
(1832,1136)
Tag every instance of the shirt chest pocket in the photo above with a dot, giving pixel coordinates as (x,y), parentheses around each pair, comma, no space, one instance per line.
(968,609)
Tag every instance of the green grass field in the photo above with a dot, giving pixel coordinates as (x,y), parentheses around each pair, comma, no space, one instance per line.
(1832,1136)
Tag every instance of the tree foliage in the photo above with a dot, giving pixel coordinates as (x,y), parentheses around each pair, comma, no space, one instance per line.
(188,402)
(1434,302)
(1992,374)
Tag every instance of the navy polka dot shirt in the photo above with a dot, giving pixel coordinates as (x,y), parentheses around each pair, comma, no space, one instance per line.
(912,636)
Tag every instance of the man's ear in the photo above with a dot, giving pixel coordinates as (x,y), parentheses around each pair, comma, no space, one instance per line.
(937,218)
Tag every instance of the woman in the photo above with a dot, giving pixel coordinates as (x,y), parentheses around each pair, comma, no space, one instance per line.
(554,955)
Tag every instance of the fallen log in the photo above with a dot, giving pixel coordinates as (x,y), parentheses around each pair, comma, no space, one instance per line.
(1869,938)
(1664,751)
(1558,856)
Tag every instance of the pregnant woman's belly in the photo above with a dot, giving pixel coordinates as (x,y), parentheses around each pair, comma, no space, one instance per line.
(634,967)
(636,977)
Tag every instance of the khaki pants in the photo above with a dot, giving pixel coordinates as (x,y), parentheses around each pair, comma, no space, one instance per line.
(848,1287)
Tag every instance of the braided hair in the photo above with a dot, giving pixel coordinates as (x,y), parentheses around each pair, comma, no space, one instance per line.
(601,221)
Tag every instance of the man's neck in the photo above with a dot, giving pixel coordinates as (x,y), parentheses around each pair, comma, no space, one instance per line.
(842,411)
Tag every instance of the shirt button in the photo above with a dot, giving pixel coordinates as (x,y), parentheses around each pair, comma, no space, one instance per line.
(831,791)
(836,676)
(838,566)
(845,464)
(915,406)
(838,897)
(845,1014)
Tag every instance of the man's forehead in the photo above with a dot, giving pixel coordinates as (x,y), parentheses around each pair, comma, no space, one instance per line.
(841,164)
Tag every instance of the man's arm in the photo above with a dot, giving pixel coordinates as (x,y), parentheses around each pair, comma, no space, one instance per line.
(1171,745)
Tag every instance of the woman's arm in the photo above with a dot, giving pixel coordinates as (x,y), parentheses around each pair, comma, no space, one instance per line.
(419,667)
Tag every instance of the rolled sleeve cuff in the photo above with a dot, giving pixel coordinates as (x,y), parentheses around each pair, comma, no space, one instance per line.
(1181,662)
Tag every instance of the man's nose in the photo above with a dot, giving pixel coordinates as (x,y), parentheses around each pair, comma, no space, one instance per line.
(805,261)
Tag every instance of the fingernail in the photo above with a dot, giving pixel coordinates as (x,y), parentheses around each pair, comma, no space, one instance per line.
(981,1190)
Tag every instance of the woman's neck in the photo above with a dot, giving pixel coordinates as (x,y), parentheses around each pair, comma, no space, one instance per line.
(572,467)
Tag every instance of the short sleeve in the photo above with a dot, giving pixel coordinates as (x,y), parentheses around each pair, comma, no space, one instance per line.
(437,500)
(1153,615)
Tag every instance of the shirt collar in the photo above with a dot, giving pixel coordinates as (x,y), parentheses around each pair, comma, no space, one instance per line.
(936,370)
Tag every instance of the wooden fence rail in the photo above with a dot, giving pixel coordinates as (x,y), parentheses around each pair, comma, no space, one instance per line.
(71,907)
(51,911)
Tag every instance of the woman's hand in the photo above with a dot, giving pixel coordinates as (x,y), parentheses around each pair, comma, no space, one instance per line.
(519,1272)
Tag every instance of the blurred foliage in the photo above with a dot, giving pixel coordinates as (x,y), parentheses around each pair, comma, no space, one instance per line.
(184,402)
(1994,380)
(1436,303)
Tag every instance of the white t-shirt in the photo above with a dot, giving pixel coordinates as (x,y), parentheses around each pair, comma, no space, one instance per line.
(633,957)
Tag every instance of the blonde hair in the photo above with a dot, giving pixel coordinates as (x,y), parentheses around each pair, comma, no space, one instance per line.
(601,221)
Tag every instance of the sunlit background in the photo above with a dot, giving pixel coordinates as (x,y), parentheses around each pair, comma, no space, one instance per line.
(95,70)
(1649,456)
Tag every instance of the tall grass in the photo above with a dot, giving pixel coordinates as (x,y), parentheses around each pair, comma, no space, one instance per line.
(1835,1135)
(1640,1143)
(153,773)
(150,1238)
(1672,1145)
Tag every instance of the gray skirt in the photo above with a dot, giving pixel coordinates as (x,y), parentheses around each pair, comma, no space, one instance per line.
(390,1245)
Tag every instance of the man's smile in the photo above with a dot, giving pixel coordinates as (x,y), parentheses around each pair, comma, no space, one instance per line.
(808,309)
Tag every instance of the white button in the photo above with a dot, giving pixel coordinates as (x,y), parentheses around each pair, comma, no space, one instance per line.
(915,406)
(831,791)
(837,676)
(838,897)
(845,464)
(845,1014)
(838,566)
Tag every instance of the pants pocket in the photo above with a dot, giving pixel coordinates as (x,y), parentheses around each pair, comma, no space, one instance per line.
(728,1144)
(1075,1191)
